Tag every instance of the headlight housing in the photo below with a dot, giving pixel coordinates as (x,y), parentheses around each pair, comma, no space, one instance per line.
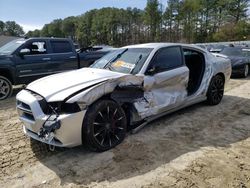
(62,108)
(82,105)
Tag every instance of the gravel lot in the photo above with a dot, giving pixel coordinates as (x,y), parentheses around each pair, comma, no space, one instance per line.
(200,146)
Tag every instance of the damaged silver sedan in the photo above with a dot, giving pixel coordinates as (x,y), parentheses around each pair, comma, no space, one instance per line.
(122,91)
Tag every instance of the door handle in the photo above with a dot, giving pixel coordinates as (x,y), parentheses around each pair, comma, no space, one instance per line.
(46,59)
(72,57)
(25,71)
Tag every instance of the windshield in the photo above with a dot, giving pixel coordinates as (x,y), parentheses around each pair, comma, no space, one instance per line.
(246,52)
(232,52)
(10,47)
(125,60)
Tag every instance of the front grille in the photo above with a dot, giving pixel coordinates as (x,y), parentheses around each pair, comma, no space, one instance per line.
(41,100)
(25,110)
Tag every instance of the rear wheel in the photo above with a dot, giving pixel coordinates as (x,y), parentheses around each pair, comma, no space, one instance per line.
(246,71)
(5,88)
(104,125)
(216,90)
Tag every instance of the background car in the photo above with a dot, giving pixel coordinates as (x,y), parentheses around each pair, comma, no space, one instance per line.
(125,89)
(216,48)
(240,59)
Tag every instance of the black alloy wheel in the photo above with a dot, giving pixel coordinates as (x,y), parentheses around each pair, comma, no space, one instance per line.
(5,88)
(216,90)
(104,125)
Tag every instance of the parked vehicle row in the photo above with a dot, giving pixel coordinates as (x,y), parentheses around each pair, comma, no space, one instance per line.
(238,54)
(125,89)
(25,60)
(240,60)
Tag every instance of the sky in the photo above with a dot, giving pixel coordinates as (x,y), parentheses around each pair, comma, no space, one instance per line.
(33,14)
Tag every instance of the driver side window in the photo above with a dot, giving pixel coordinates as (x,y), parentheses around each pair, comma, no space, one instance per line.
(33,48)
(166,59)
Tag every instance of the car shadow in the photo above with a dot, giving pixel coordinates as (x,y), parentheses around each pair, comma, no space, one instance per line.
(157,144)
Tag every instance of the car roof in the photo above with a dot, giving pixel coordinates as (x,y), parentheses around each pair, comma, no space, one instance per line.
(42,38)
(160,45)
(236,48)
(150,45)
(48,38)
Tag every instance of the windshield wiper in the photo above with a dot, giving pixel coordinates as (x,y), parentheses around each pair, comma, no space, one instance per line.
(108,65)
(138,60)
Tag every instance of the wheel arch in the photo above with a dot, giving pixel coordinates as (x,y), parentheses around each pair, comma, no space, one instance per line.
(222,75)
(124,105)
(7,74)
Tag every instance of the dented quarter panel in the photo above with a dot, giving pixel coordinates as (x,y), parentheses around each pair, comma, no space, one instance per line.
(221,64)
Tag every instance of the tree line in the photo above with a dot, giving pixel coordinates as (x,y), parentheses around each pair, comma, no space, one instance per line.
(10,28)
(190,21)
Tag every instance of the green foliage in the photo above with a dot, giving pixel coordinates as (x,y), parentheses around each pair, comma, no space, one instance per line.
(35,33)
(237,9)
(233,32)
(45,31)
(55,28)
(182,21)
(11,28)
(152,18)
(110,26)
(69,27)
(2,25)
(83,30)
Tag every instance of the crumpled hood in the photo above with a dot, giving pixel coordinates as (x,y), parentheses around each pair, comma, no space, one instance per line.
(59,86)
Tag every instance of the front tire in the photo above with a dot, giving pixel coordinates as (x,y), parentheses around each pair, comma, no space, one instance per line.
(104,126)
(246,71)
(5,88)
(216,90)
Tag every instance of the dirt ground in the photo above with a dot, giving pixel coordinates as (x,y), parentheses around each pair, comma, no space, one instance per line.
(200,146)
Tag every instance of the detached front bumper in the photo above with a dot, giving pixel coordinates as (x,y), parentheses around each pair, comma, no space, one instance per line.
(31,114)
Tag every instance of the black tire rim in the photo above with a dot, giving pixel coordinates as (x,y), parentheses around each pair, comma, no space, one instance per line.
(108,126)
(217,89)
(246,70)
(4,88)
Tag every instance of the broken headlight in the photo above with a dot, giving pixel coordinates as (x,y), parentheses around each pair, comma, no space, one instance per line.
(62,108)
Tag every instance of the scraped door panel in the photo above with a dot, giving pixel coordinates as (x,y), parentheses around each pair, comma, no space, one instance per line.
(166,90)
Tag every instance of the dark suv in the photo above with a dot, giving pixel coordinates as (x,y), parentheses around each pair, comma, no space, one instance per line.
(25,60)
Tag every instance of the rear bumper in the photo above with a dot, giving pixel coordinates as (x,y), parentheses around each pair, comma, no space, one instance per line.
(33,118)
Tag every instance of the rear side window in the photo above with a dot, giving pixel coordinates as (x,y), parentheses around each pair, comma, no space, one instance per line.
(168,58)
(61,46)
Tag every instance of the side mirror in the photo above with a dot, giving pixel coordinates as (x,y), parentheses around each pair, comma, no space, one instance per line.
(152,70)
(24,51)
